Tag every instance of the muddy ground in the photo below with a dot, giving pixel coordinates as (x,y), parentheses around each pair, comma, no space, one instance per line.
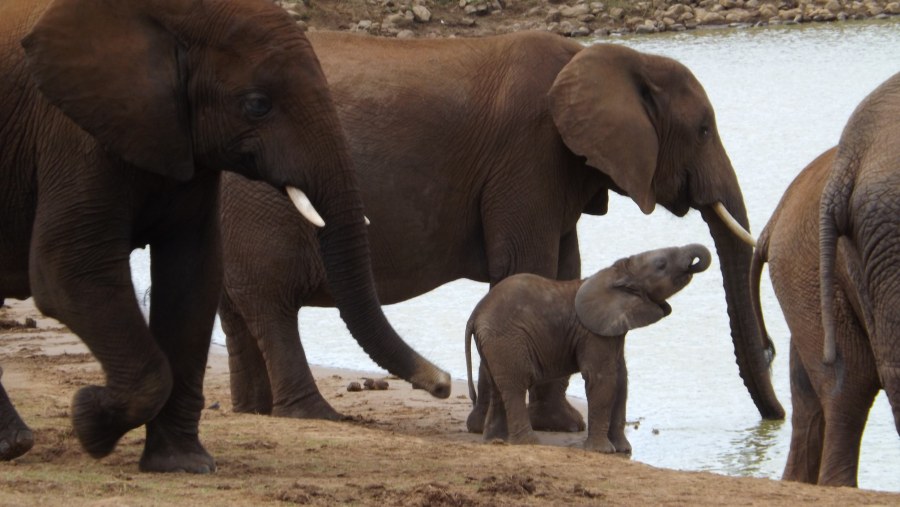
(400,447)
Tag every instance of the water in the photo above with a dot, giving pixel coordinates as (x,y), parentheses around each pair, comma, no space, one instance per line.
(782,96)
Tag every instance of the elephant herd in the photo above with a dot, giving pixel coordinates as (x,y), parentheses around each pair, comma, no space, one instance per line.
(243,150)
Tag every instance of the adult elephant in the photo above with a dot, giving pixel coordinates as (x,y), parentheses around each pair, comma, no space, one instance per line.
(115,120)
(476,158)
(836,233)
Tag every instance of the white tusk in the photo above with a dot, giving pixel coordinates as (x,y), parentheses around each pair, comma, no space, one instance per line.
(367,220)
(301,202)
(733,224)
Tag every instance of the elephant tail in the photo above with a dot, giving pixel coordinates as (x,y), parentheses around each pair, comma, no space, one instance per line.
(760,257)
(470,331)
(833,219)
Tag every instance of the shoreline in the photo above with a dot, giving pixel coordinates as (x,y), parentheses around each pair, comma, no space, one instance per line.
(574,18)
(397,447)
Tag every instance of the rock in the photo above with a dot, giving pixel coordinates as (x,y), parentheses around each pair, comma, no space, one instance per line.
(711,18)
(375,384)
(834,6)
(675,10)
(873,9)
(574,11)
(768,11)
(789,14)
(421,14)
(617,13)
(738,16)
(354,387)
(892,8)
(646,27)
(397,20)
(553,16)
(580,31)
(364,25)
(406,34)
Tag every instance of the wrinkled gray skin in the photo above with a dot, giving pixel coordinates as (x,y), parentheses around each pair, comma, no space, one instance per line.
(529,328)
(116,120)
(836,234)
(476,158)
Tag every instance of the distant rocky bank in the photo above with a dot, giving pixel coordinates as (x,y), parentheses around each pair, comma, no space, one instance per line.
(577,18)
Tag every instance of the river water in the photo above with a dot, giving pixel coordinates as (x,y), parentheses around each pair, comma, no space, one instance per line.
(782,96)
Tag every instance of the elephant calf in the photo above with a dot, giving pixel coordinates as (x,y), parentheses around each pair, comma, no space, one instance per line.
(529,329)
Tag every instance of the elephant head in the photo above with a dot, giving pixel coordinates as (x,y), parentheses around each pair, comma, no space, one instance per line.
(633,292)
(646,122)
(180,88)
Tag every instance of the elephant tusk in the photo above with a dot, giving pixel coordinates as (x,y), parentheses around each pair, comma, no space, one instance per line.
(733,224)
(367,220)
(304,206)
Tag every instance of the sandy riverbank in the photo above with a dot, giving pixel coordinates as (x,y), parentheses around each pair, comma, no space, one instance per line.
(399,447)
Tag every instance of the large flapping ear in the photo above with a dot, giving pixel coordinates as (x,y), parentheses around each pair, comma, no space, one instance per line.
(599,103)
(609,306)
(112,67)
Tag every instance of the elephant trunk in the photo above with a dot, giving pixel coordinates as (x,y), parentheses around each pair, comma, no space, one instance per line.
(345,252)
(750,349)
(698,258)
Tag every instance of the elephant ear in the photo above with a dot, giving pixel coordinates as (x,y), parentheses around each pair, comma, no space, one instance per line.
(602,103)
(113,69)
(610,305)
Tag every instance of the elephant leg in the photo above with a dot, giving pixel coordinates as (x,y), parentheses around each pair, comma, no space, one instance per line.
(294,390)
(517,423)
(186,272)
(616,432)
(599,368)
(15,437)
(569,257)
(250,388)
(840,452)
(845,419)
(496,425)
(475,421)
(549,410)
(87,286)
(807,426)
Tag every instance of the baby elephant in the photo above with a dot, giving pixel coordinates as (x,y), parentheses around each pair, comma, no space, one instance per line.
(530,329)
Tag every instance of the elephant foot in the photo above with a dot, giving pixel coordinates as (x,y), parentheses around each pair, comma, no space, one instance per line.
(167,452)
(244,406)
(555,416)
(99,421)
(319,409)
(15,437)
(475,421)
(622,445)
(601,445)
(525,439)
(15,440)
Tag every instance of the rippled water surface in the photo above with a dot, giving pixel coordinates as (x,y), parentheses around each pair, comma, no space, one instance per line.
(782,96)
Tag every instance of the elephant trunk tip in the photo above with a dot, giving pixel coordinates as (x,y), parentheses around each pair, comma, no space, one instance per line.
(433,380)
(700,258)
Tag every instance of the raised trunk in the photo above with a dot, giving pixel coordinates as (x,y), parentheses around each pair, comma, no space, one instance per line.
(751,349)
(345,252)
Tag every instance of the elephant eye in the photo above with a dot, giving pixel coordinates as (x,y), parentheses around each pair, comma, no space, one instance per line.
(257,105)
(704,131)
(660,264)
